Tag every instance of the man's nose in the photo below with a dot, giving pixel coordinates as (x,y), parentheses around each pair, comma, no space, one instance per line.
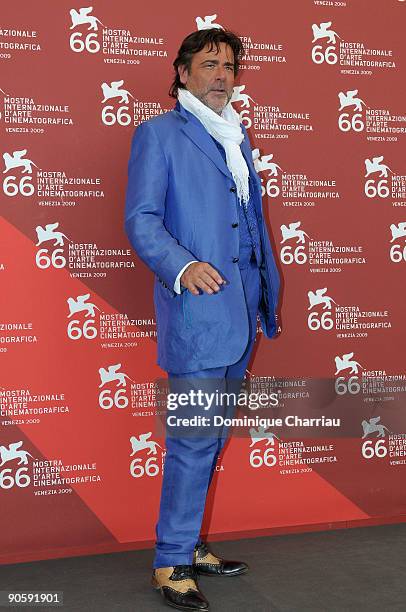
(220,73)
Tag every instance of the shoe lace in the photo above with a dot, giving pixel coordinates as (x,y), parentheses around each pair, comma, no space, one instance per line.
(183,571)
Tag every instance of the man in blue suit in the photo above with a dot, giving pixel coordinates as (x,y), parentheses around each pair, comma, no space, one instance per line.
(194,216)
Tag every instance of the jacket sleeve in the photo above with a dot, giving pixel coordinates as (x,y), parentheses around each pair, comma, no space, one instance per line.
(145,208)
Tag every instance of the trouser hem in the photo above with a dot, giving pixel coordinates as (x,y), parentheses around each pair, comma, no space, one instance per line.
(172,560)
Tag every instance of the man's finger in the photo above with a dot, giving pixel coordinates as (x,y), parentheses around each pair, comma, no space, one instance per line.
(209,280)
(200,282)
(202,275)
(214,274)
(197,283)
(190,286)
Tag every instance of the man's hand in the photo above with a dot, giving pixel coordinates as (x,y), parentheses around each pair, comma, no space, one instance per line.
(201,275)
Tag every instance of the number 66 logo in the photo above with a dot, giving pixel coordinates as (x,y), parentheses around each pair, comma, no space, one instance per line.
(89,44)
(45,258)
(107,400)
(76,329)
(317,320)
(13,186)
(139,469)
(374,449)
(259,457)
(291,255)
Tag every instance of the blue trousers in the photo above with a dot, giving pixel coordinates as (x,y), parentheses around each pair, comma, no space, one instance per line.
(190,461)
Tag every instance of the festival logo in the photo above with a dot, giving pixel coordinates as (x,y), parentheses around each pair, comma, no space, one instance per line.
(289,390)
(114,387)
(63,476)
(99,262)
(374,428)
(14,334)
(29,408)
(113,329)
(295,235)
(21,469)
(353,105)
(86,323)
(118,330)
(13,456)
(374,447)
(268,121)
(265,165)
(266,451)
(349,321)
(120,107)
(149,398)
(50,256)
(380,442)
(397,251)
(295,188)
(118,390)
(256,53)
(289,457)
(18,165)
(23,113)
(378,124)
(305,250)
(382,183)
(320,320)
(207,22)
(348,376)
(149,461)
(91,260)
(346,366)
(52,187)
(117,45)
(353,57)
(15,41)
(14,452)
(375,386)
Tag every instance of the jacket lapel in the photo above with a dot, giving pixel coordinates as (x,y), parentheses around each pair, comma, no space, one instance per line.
(202,139)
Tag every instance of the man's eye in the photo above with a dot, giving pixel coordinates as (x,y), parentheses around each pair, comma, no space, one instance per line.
(230,68)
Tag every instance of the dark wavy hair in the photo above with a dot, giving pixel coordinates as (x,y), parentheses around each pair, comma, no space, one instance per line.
(195,42)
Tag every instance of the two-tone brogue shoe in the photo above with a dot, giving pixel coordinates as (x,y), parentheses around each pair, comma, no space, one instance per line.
(179,588)
(207,564)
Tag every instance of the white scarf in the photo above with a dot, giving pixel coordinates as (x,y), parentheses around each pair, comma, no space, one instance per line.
(227,131)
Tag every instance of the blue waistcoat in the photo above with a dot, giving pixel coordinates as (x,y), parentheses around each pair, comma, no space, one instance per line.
(250,240)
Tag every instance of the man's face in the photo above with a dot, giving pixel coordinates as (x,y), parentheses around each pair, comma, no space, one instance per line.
(211,76)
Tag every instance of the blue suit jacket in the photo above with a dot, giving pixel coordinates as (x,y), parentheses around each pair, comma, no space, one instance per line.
(180,207)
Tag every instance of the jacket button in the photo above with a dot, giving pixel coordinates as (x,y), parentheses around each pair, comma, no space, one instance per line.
(235,259)
(234,225)
(233,189)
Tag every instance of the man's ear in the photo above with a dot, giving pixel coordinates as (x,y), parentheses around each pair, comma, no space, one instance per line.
(183,73)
